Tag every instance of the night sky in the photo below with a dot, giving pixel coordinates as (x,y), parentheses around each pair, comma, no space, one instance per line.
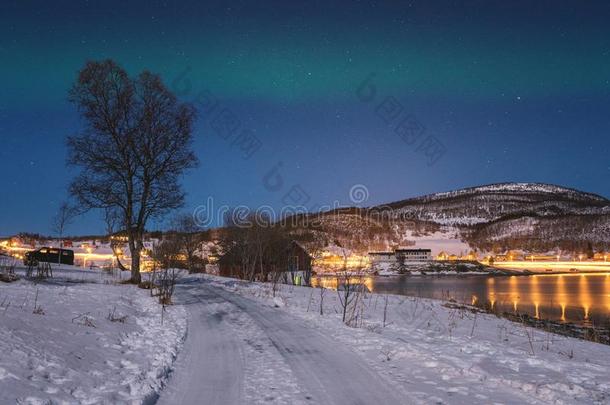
(504,91)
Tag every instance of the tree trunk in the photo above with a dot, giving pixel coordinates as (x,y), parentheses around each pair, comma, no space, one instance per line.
(191,261)
(135,247)
(135,266)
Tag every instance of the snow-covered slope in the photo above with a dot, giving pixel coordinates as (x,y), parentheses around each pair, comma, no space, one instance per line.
(84,338)
(488,203)
(509,215)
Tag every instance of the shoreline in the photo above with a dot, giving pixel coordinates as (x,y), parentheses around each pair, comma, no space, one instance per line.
(589,333)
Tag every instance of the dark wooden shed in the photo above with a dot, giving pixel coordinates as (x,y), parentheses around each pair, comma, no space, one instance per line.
(293,267)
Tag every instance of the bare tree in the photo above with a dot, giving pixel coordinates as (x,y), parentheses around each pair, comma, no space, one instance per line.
(112,219)
(258,247)
(242,241)
(189,238)
(30,239)
(401,264)
(347,290)
(316,243)
(134,147)
(322,293)
(166,255)
(277,254)
(350,290)
(63,218)
(237,248)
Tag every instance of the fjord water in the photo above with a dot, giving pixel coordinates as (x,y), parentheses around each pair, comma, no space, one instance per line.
(574,298)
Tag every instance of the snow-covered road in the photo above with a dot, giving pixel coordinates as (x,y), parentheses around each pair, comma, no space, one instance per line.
(242,351)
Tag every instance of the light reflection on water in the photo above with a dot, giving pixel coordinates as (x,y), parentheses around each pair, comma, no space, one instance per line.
(565,297)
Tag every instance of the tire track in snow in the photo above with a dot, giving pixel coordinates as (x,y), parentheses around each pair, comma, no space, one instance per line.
(328,372)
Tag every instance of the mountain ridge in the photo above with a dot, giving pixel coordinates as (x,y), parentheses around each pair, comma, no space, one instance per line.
(496,216)
(504,187)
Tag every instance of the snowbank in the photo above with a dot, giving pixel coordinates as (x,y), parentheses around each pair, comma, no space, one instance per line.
(80,338)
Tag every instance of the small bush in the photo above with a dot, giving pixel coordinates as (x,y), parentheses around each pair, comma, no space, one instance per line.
(8,278)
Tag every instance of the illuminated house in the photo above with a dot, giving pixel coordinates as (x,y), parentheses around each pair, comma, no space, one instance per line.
(442,256)
(509,256)
(472,256)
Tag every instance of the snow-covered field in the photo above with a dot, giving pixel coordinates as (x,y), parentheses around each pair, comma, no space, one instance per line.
(433,353)
(82,338)
(58,344)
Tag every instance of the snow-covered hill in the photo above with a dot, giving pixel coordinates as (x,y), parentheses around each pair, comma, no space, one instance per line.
(496,216)
(488,203)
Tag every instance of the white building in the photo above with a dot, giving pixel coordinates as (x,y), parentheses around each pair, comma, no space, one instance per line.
(414,255)
(383,259)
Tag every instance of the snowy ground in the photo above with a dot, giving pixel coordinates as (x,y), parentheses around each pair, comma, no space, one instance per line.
(426,353)
(243,345)
(58,345)
(240,351)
